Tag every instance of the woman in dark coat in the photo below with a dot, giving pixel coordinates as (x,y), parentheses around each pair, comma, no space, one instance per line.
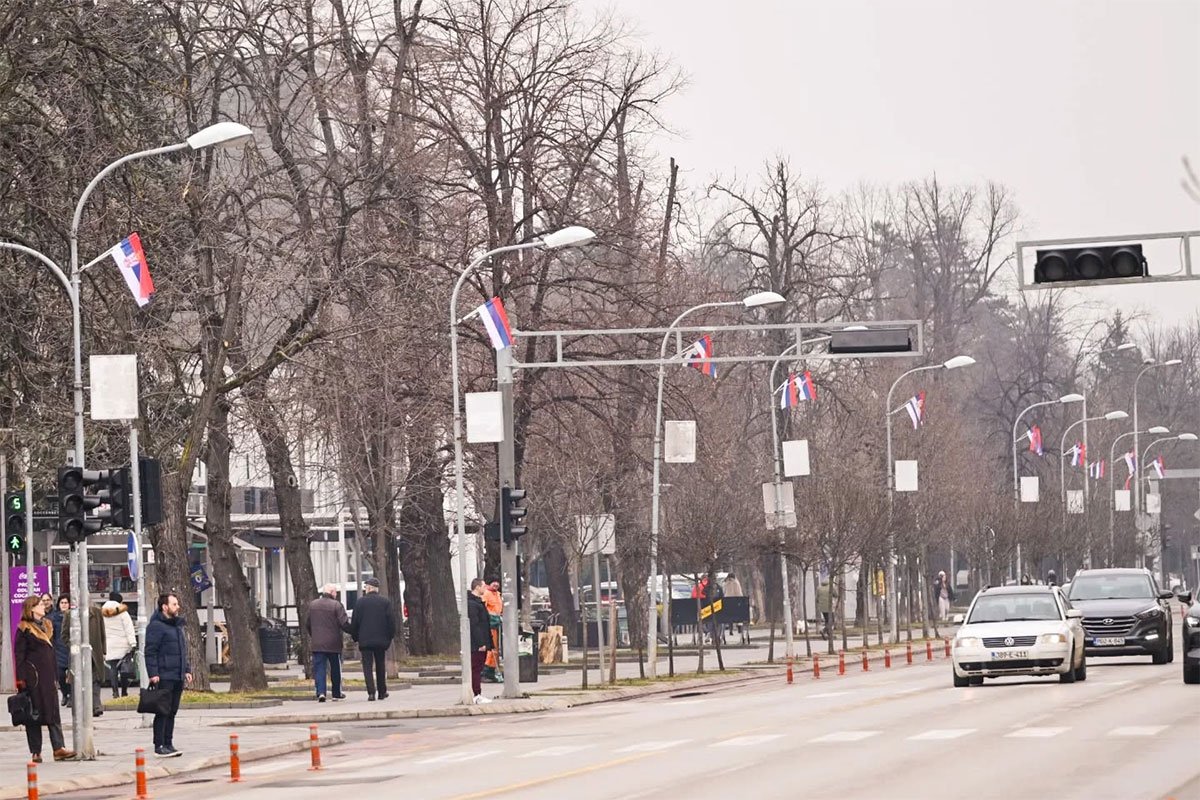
(62,653)
(36,672)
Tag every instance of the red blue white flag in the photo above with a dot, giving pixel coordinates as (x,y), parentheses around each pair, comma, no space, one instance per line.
(1131,463)
(1078,455)
(1096,470)
(797,388)
(131,260)
(1158,467)
(916,409)
(496,322)
(1035,440)
(702,351)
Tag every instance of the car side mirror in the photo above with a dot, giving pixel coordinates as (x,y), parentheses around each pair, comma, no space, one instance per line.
(957,619)
(1074,613)
(1165,596)
(1185,598)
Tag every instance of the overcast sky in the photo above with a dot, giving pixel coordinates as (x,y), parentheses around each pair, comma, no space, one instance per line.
(1082,108)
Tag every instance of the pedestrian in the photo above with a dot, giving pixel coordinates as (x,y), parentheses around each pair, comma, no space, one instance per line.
(62,652)
(121,642)
(494,601)
(732,587)
(1026,580)
(327,621)
(35,663)
(943,595)
(825,602)
(481,637)
(167,666)
(1051,578)
(373,627)
(97,641)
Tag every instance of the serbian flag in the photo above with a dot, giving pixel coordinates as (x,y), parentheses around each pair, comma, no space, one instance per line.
(1131,463)
(1158,467)
(702,351)
(496,322)
(1078,455)
(1096,470)
(1035,440)
(797,388)
(916,409)
(131,260)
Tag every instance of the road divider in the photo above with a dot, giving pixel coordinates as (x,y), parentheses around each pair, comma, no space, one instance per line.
(235,761)
(139,772)
(31,780)
(314,748)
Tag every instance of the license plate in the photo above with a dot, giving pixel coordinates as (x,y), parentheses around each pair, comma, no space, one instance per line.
(1007,655)
(1109,641)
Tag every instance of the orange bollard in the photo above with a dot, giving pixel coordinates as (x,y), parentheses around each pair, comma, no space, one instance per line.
(31,779)
(314,747)
(789,673)
(887,658)
(928,650)
(841,662)
(235,760)
(866,663)
(816,666)
(139,761)
(908,652)
(947,641)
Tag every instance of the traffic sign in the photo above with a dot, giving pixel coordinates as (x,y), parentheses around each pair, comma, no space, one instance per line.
(131,556)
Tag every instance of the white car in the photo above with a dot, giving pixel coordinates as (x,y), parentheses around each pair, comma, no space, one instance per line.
(1020,630)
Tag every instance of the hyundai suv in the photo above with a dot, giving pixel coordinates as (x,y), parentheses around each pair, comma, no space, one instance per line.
(1191,640)
(1124,613)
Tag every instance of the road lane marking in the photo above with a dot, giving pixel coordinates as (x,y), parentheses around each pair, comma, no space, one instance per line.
(557,750)
(844,736)
(1138,730)
(558,776)
(749,741)
(458,758)
(825,694)
(1034,733)
(653,747)
(941,734)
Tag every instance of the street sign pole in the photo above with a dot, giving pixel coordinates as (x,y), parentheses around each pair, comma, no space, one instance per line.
(28,516)
(145,606)
(8,677)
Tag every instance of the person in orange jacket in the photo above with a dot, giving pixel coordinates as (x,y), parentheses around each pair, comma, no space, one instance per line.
(495,607)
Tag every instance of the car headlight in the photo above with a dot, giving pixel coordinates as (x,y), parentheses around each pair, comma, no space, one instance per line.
(1052,638)
(1192,622)
(1151,613)
(967,641)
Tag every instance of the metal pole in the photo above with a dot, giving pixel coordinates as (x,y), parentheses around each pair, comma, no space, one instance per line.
(8,676)
(507,463)
(28,483)
(145,604)
(789,636)
(600,619)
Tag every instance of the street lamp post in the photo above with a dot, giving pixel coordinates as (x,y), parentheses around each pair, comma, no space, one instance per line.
(1112,488)
(892,597)
(1150,364)
(563,238)
(752,301)
(1160,573)
(1111,416)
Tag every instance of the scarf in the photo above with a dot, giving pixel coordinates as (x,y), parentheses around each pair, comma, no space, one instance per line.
(45,631)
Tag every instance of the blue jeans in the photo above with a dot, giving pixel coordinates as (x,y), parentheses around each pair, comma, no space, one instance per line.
(332,662)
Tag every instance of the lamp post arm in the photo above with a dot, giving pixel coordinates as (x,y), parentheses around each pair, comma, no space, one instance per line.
(157,151)
(1016,427)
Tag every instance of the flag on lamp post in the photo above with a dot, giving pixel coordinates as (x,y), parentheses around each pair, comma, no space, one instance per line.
(916,409)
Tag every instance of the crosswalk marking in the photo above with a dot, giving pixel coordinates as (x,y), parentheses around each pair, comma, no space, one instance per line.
(1034,733)
(749,741)
(557,750)
(844,736)
(941,733)
(1138,730)
(650,747)
(826,694)
(457,758)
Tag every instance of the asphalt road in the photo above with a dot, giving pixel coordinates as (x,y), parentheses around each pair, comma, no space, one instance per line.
(1131,730)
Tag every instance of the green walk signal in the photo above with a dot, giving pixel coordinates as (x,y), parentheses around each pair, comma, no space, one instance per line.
(14,544)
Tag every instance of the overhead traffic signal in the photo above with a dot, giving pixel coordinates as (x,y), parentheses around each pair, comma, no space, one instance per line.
(80,491)
(512,514)
(119,496)
(14,523)
(1098,263)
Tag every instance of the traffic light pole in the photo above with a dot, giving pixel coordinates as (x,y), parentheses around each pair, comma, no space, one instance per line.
(28,517)
(8,677)
(145,606)
(506,462)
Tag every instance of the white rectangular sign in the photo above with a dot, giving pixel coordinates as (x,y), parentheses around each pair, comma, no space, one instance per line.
(114,387)
(1121,500)
(795,458)
(1153,503)
(1075,501)
(597,530)
(1029,488)
(681,441)
(906,476)
(787,494)
(485,417)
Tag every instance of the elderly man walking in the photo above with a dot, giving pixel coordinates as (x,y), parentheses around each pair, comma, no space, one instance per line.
(373,627)
(327,621)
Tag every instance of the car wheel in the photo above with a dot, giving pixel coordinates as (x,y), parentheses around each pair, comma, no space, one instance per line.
(1069,675)
(1191,674)
(975,680)
(1081,673)
(1160,657)
(1171,649)
(960,683)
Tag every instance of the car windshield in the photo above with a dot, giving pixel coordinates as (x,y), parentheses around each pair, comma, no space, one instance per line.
(1111,587)
(1013,607)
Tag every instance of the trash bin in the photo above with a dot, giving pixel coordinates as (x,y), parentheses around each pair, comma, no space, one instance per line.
(273,639)
(527,657)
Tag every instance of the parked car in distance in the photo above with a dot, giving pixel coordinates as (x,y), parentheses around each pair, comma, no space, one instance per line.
(1191,639)
(1124,613)
(1019,630)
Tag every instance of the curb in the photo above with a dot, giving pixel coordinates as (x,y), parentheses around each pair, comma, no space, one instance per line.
(111,779)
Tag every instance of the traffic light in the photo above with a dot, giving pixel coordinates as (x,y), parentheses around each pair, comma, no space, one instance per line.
(78,492)
(512,514)
(150,479)
(14,523)
(1063,264)
(120,497)
(870,340)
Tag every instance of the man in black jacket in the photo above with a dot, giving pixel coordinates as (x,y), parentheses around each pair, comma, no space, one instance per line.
(167,666)
(481,637)
(373,627)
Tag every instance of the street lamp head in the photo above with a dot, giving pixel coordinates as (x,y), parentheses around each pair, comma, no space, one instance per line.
(1149,361)
(1188,437)
(856,328)
(1173,362)
(1126,346)
(220,134)
(572,235)
(1159,429)
(1071,398)
(763,299)
(1112,416)
(959,361)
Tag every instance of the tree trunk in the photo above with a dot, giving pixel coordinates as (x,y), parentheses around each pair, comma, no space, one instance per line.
(241,618)
(558,578)
(172,568)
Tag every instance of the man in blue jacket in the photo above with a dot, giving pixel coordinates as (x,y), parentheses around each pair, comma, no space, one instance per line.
(167,666)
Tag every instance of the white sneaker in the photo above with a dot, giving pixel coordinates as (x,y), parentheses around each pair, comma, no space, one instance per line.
(481,700)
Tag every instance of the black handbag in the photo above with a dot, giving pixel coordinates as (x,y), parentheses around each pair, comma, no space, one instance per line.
(20,707)
(154,699)
(127,670)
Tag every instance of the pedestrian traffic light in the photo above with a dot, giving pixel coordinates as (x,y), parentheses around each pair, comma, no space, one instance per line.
(14,523)
(512,514)
(79,490)
(1064,264)
(150,480)
(120,497)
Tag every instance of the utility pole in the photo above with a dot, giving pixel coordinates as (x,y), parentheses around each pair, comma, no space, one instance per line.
(507,467)
(8,676)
